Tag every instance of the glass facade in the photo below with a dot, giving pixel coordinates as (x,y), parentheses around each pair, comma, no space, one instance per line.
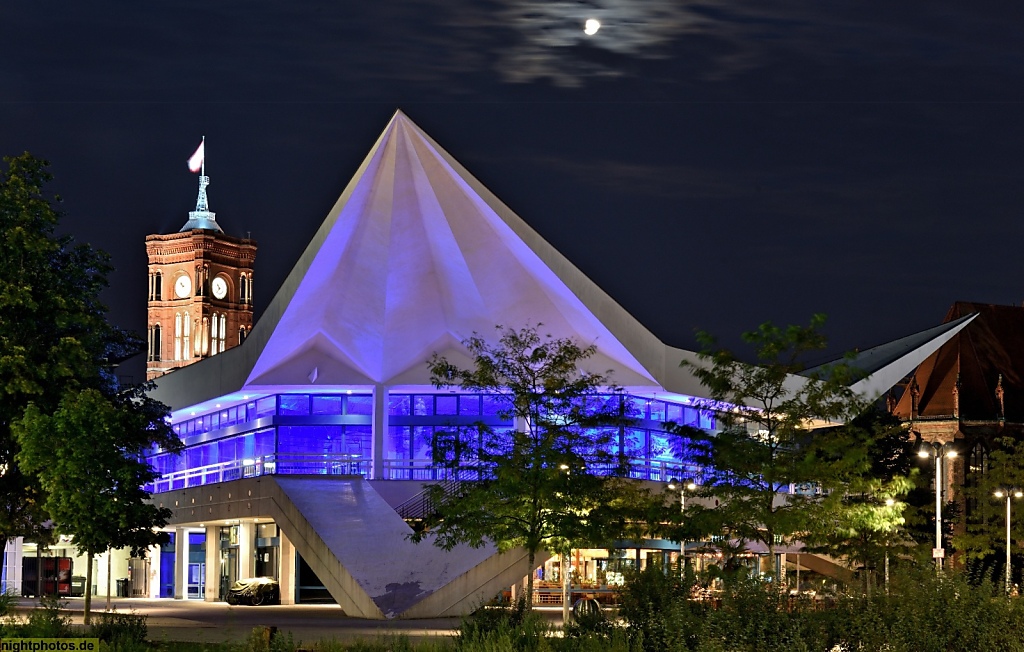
(332,434)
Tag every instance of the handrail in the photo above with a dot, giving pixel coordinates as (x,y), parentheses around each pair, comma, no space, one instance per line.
(422,504)
(276,464)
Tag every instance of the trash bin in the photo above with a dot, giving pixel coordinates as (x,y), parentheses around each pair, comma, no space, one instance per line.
(77,586)
(587,610)
(122,588)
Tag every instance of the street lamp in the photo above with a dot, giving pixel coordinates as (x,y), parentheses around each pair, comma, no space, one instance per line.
(1017,493)
(929,448)
(683,487)
(889,502)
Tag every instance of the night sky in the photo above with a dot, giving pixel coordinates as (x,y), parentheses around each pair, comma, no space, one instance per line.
(710,165)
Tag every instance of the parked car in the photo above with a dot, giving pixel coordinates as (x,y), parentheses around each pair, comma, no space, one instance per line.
(255,591)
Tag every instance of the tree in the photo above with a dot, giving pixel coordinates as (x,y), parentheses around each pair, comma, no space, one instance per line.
(984,534)
(53,331)
(868,520)
(70,437)
(771,439)
(88,457)
(552,480)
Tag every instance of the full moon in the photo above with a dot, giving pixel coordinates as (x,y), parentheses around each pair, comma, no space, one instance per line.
(591,26)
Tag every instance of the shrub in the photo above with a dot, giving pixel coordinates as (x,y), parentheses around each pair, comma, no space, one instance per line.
(49,620)
(512,628)
(120,629)
(660,616)
(268,639)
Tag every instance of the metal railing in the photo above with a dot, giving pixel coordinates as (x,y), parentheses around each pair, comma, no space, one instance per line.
(278,464)
(424,503)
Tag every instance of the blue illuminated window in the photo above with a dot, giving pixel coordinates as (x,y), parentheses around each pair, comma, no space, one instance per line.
(469,405)
(359,405)
(266,407)
(399,404)
(446,405)
(423,405)
(294,404)
(327,405)
(656,411)
(673,412)
(492,405)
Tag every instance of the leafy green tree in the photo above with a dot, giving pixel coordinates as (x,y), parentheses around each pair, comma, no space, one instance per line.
(985,524)
(867,524)
(553,480)
(774,437)
(71,439)
(88,457)
(53,332)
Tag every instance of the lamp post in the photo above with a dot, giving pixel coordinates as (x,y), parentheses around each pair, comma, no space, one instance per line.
(939,450)
(1016,493)
(889,502)
(683,487)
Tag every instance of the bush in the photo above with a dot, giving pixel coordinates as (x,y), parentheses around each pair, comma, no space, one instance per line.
(268,639)
(49,620)
(660,616)
(510,628)
(922,614)
(119,629)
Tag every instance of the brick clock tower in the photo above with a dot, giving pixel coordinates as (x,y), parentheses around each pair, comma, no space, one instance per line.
(200,289)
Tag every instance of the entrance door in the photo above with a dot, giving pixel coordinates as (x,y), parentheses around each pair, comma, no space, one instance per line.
(196,581)
(228,570)
(196,589)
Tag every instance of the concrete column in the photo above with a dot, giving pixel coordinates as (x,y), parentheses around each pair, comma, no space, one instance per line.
(212,580)
(246,550)
(13,555)
(288,569)
(153,555)
(380,430)
(180,563)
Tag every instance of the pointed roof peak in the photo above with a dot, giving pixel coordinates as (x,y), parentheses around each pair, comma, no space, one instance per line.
(202,217)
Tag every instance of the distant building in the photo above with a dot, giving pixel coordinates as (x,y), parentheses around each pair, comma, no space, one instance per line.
(200,291)
(970,391)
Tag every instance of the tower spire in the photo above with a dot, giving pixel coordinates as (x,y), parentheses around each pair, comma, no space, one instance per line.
(201,217)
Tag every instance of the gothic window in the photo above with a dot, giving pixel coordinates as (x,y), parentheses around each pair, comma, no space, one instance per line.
(155,281)
(205,347)
(213,333)
(154,343)
(186,332)
(177,336)
(223,330)
(243,290)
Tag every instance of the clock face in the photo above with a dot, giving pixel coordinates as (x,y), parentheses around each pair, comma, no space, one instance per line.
(219,288)
(183,286)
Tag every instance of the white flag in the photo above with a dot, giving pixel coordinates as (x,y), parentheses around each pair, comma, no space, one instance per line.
(196,162)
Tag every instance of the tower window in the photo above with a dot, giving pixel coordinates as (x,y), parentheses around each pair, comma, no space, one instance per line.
(218,329)
(177,336)
(223,330)
(155,285)
(241,334)
(205,334)
(186,327)
(154,343)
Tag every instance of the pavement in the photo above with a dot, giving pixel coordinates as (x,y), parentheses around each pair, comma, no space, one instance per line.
(219,622)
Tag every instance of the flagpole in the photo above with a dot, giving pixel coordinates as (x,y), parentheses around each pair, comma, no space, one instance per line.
(203,173)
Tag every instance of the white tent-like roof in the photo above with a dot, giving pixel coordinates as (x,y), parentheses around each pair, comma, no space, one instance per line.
(415,256)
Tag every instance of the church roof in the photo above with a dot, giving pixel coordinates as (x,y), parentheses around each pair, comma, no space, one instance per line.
(992,345)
